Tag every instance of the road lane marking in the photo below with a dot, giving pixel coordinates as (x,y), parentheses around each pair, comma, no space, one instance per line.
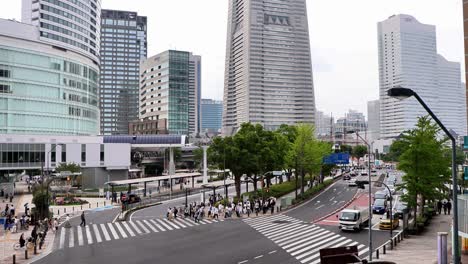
(104,231)
(241,262)
(146,230)
(320,206)
(164,224)
(122,232)
(96,233)
(135,227)
(88,235)
(187,222)
(125,224)
(290,239)
(257,257)
(62,237)
(172,224)
(150,226)
(307,240)
(333,198)
(71,239)
(114,233)
(271,252)
(179,222)
(80,235)
(157,225)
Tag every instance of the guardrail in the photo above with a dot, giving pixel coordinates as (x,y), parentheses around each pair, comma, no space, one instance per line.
(391,243)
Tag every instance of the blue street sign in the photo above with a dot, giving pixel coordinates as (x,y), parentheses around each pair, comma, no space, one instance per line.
(465,173)
(337,158)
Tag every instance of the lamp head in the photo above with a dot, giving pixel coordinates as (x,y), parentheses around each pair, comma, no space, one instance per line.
(400,92)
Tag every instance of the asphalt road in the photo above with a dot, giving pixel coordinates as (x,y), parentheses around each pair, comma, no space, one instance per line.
(230,241)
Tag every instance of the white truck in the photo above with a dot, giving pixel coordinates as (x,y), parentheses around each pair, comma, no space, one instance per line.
(353,219)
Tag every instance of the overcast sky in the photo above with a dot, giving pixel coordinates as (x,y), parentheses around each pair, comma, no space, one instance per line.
(343,36)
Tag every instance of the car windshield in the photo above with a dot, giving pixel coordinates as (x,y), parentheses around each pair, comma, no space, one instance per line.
(380,195)
(348,216)
(379,202)
(400,206)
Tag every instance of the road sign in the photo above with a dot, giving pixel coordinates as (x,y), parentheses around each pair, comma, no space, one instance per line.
(337,158)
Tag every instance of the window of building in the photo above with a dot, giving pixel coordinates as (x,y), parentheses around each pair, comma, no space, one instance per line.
(83,152)
(53,154)
(4,73)
(64,153)
(102,153)
(4,88)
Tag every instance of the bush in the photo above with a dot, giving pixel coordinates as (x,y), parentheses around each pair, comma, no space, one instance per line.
(312,191)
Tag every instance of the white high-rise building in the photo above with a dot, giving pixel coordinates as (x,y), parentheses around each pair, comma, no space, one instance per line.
(268,73)
(323,124)
(408,58)
(73,25)
(373,120)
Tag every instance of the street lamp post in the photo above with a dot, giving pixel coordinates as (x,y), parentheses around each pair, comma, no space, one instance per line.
(370,195)
(403,93)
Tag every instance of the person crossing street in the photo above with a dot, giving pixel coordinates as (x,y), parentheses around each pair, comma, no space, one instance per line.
(83,220)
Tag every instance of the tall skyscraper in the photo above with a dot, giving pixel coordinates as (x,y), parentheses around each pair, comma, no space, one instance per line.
(170,85)
(408,58)
(373,119)
(74,25)
(211,115)
(123,45)
(323,124)
(465,26)
(45,89)
(268,73)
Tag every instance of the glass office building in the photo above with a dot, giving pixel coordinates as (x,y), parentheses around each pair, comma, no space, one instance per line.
(211,115)
(123,45)
(44,89)
(169,90)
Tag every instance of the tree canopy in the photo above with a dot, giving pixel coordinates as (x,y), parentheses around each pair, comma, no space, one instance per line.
(71,167)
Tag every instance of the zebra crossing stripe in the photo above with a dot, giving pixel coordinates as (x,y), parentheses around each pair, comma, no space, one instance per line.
(80,235)
(311,239)
(261,221)
(279,227)
(318,248)
(104,231)
(71,239)
(96,233)
(179,222)
(311,244)
(143,227)
(164,224)
(150,226)
(187,222)
(204,221)
(172,224)
(157,225)
(62,238)
(128,229)
(122,232)
(114,233)
(293,229)
(284,240)
(88,235)
(135,227)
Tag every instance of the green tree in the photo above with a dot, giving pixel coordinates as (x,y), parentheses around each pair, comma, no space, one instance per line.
(289,133)
(425,164)
(346,148)
(41,200)
(198,158)
(71,167)
(359,151)
(396,149)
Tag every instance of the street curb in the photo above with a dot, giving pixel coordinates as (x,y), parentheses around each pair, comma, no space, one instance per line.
(133,210)
(337,210)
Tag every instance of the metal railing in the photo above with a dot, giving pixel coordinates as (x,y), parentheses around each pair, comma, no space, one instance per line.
(390,244)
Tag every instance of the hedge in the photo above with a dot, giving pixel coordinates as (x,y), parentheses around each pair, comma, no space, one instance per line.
(312,191)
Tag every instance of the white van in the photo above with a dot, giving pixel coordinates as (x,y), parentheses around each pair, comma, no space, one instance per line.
(353,219)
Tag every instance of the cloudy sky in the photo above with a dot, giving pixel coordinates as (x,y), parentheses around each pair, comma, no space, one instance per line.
(343,36)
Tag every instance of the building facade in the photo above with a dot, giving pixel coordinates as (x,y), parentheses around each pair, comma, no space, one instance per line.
(373,119)
(45,89)
(352,122)
(323,124)
(268,73)
(148,127)
(123,46)
(465,33)
(73,25)
(408,58)
(211,116)
(169,89)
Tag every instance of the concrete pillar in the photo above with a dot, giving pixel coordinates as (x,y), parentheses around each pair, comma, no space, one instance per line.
(442,248)
(205,166)
(171,162)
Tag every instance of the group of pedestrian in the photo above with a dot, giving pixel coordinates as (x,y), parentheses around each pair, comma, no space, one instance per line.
(446,205)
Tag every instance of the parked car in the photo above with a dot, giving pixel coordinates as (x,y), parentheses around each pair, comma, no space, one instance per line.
(387,224)
(381,195)
(130,198)
(380,206)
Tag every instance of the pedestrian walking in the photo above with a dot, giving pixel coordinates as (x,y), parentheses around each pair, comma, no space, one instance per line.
(83,220)
(175,212)
(215,213)
(439,207)
(445,207)
(449,207)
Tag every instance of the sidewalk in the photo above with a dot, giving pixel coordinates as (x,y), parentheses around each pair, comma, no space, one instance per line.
(423,248)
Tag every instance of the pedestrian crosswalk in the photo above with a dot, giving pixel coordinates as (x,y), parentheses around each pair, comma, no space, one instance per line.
(301,239)
(99,233)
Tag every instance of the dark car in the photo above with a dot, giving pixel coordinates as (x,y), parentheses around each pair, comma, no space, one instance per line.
(381,195)
(346,177)
(131,198)
(380,206)
(400,208)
